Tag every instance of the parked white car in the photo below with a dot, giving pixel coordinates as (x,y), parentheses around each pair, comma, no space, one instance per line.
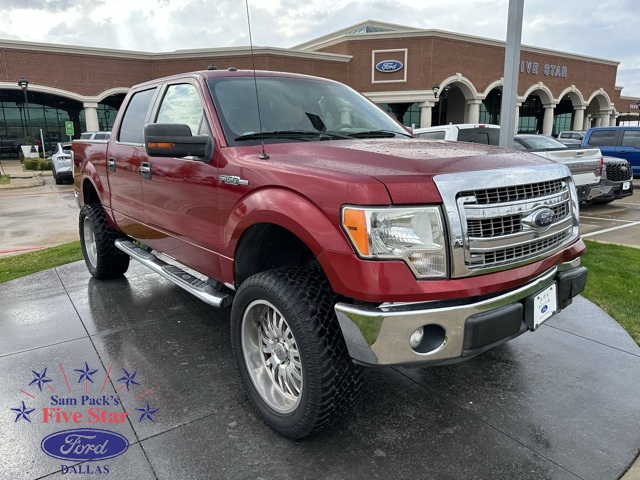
(485,134)
(571,138)
(61,163)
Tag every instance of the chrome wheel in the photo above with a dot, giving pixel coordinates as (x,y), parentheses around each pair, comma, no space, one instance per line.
(272,356)
(90,241)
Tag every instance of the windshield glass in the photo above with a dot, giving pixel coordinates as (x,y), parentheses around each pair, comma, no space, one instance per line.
(296,109)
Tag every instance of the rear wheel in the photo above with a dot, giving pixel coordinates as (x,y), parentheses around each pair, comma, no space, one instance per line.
(97,239)
(292,358)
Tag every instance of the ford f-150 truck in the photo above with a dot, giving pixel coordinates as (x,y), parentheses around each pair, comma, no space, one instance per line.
(338,239)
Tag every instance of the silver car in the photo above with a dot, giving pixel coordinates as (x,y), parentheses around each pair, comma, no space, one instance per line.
(61,163)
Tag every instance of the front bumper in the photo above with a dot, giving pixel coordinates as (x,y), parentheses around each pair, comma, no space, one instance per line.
(614,190)
(454,330)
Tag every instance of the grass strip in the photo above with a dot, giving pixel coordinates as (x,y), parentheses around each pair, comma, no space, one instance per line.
(614,283)
(27,263)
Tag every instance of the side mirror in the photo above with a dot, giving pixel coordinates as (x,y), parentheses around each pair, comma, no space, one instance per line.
(176,140)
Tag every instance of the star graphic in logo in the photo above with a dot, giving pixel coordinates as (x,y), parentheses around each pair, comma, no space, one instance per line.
(85,374)
(40,378)
(147,412)
(128,379)
(24,412)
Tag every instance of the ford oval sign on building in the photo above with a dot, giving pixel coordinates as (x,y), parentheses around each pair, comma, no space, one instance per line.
(82,444)
(389,66)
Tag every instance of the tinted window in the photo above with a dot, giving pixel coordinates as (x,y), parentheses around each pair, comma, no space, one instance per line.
(132,127)
(537,142)
(486,136)
(602,138)
(100,136)
(631,138)
(438,135)
(181,104)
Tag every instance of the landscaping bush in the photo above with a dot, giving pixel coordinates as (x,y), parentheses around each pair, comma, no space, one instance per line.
(37,163)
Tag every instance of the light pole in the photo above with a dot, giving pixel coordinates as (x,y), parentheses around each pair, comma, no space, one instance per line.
(23,83)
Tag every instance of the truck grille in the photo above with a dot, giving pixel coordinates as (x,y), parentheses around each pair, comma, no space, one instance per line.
(516,192)
(619,171)
(496,227)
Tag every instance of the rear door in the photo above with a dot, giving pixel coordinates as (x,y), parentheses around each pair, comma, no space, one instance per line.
(125,153)
(629,148)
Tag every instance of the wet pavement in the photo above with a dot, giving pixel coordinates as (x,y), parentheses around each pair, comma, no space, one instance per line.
(559,403)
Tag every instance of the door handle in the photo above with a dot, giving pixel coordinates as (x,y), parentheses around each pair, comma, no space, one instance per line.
(111,164)
(145,170)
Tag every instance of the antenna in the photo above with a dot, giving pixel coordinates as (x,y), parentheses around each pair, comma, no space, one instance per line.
(263,155)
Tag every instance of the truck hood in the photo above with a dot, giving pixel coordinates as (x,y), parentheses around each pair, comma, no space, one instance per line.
(405,166)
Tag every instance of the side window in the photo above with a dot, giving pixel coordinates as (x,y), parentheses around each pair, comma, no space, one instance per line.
(132,127)
(438,135)
(631,138)
(181,104)
(602,138)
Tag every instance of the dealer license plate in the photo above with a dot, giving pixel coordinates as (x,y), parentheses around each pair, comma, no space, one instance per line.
(545,304)
(626,185)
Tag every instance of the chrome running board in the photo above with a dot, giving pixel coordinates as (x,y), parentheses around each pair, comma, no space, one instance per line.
(175,274)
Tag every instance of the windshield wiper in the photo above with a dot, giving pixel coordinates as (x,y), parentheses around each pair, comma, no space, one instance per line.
(377,134)
(289,134)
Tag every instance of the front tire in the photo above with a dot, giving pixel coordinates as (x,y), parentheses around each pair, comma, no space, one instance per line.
(292,357)
(97,239)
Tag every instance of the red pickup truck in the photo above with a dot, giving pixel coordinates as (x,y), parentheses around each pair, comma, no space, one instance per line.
(338,239)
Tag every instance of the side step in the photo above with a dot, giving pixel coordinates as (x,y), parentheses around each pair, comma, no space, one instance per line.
(191,284)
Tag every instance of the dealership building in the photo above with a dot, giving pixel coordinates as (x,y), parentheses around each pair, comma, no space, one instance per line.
(423,77)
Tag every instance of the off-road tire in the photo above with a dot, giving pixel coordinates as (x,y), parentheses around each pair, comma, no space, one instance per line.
(330,380)
(97,239)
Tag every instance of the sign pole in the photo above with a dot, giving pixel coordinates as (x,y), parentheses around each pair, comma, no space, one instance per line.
(511,64)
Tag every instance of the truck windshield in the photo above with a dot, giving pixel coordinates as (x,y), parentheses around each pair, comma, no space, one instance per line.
(296,109)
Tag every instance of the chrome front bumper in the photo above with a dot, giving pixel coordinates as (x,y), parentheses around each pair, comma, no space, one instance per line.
(380,335)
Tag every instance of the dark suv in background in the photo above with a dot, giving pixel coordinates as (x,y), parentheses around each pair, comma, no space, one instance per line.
(621,142)
(10,144)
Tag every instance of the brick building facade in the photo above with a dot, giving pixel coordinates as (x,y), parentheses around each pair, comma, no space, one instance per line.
(424,77)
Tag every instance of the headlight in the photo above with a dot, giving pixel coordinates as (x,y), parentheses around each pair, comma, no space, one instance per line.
(415,235)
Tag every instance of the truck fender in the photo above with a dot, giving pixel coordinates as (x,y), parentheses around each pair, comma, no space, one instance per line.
(289,210)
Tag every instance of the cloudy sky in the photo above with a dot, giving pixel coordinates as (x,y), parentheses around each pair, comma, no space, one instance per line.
(607,29)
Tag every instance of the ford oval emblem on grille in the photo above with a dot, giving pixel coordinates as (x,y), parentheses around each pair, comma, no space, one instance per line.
(388,66)
(84,444)
(540,220)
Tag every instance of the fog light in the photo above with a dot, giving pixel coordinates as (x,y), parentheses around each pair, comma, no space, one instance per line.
(416,338)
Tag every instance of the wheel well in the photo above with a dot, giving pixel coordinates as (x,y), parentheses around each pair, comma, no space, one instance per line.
(265,247)
(89,193)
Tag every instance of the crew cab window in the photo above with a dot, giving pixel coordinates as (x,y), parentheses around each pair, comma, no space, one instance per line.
(132,127)
(181,104)
(602,138)
(439,135)
(631,138)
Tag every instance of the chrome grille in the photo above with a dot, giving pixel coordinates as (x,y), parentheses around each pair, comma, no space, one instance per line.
(494,216)
(516,192)
(497,227)
(512,254)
